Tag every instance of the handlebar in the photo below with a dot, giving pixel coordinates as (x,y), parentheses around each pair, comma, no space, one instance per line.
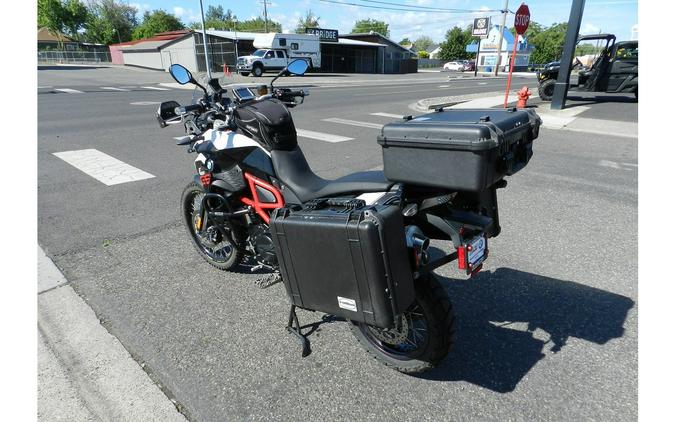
(189,108)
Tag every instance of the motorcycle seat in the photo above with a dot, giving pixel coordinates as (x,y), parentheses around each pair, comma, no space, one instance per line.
(294,171)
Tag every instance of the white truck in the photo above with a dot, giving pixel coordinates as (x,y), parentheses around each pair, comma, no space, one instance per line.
(275,51)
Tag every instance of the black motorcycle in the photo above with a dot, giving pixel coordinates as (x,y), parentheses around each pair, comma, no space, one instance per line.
(355,247)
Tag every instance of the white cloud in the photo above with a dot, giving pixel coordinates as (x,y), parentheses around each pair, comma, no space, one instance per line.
(186,15)
(141,8)
(589,28)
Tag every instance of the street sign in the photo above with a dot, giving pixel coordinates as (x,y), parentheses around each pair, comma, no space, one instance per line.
(481,27)
(521,23)
(324,34)
(522,19)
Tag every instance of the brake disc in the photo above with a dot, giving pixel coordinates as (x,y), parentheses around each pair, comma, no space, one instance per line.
(392,335)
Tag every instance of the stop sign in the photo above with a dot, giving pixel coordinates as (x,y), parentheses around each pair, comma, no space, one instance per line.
(522,19)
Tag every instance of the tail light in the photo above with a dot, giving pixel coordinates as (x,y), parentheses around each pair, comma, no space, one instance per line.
(206,179)
(462,257)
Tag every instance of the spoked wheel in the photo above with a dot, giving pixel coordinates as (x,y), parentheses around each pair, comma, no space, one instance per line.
(425,334)
(214,244)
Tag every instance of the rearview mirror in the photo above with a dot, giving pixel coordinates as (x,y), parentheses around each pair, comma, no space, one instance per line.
(297,67)
(180,74)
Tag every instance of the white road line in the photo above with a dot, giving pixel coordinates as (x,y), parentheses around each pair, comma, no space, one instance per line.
(145,103)
(326,137)
(156,88)
(68,91)
(44,86)
(482,83)
(630,164)
(395,116)
(112,88)
(444,86)
(354,123)
(102,167)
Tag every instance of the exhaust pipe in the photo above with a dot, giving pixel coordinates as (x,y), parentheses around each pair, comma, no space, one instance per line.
(418,242)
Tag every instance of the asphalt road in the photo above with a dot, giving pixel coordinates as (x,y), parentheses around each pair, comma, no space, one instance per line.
(547,332)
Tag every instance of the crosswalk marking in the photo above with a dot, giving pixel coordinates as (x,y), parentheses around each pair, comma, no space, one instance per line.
(102,167)
(326,137)
(156,88)
(68,90)
(354,123)
(112,88)
(395,116)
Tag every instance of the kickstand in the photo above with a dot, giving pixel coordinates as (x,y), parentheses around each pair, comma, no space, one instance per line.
(293,327)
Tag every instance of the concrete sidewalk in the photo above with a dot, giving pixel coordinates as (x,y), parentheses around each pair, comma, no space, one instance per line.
(84,373)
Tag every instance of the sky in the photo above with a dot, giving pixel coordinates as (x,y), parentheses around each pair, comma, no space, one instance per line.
(612,16)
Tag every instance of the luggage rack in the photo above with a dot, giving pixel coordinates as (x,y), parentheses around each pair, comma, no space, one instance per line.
(294,328)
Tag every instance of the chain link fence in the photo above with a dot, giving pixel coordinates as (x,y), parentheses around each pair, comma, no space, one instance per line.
(79,57)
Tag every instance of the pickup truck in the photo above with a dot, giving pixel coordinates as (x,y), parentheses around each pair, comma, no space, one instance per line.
(262,60)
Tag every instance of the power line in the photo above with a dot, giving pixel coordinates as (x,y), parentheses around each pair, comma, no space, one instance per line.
(406,9)
(408,6)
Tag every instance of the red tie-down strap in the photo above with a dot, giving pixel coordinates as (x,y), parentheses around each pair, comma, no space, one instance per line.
(261,208)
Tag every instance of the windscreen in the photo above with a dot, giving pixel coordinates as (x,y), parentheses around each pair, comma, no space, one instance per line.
(259,53)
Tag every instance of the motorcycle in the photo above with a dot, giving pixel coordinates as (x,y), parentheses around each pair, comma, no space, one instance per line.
(252,178)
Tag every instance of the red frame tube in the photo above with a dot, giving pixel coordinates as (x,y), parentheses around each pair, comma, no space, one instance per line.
(261,208)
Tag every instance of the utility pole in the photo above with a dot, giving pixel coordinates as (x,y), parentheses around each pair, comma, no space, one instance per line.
(265,9)
(206,47)
(501,36)
(562,83)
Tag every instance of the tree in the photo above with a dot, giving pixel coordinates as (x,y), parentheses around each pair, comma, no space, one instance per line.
(309,21)
(405,41)
(367,25)
(423,43)
(454,46)
(156,22)
(251,25)
(109,22)
(216,13)
(548,43)
(74,17)
(51,15)
(422,54)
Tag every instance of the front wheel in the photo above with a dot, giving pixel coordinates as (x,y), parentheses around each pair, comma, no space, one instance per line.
(244,73)
(257,70)
(546,89)
(425,335)
(214,244)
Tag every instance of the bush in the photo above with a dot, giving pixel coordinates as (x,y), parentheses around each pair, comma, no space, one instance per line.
(422,54)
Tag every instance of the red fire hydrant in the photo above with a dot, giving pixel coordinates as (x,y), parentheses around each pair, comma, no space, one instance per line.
(523,95)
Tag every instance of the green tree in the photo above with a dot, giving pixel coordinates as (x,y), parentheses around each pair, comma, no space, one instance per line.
(155,22)
(51,15)
(309,21)
(548,43)
(422,54)
(216,13)
(423,43)
(251,25)
(75,17)
(405,41)
(367,25)
(454,46)
(110,21)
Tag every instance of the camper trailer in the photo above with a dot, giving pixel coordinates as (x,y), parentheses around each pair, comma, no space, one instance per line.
(275,51)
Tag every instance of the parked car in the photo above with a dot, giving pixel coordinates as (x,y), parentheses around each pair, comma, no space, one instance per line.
(469,66)
(455,66)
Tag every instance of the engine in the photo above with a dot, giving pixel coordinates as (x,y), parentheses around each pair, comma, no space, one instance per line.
(260,241)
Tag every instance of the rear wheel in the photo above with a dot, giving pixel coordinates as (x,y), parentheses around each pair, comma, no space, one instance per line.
(546,89)
(214,244)
(425,336)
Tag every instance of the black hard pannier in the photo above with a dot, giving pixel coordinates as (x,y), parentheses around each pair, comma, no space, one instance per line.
(343,261)
(462,149)
(270,122)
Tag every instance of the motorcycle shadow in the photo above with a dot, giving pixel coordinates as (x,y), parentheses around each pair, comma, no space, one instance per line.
(508,320)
